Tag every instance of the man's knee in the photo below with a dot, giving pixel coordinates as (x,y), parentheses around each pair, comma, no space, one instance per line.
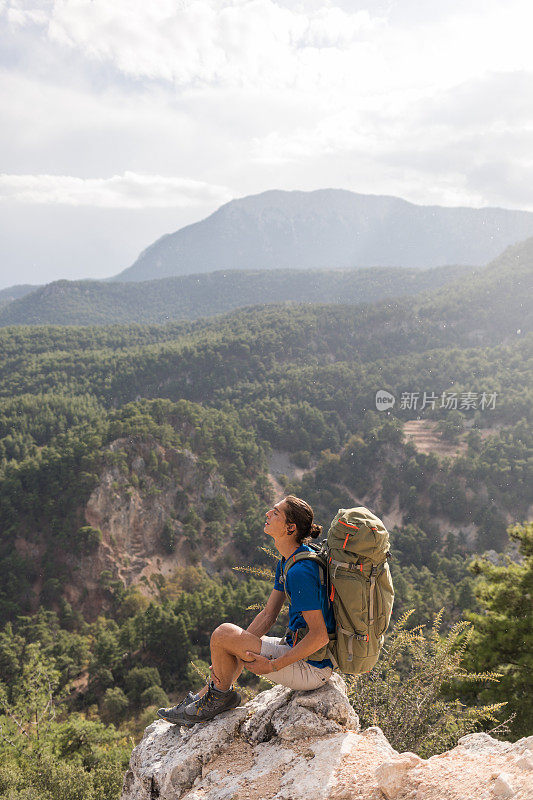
(225,633)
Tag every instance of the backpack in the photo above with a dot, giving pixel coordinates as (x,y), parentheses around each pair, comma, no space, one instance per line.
(353,562)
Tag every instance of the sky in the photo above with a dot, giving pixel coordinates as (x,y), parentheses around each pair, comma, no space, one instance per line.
(123,120)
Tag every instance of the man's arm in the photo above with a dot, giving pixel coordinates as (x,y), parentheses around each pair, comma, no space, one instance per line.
(316,637)
(262,623)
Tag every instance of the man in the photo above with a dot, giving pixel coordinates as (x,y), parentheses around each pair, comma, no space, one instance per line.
(290,524)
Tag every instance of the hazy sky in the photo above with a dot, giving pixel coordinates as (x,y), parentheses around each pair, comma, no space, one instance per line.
(122,120)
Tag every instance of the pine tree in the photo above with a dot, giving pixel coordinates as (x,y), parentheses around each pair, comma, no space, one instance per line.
(503,638)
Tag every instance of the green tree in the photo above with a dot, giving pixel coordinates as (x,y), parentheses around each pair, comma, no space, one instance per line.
(46,757)
(115,704)
(140,678)
(29,704)
(503,638)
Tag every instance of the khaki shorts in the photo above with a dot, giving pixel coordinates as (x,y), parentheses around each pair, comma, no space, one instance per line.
(300,675)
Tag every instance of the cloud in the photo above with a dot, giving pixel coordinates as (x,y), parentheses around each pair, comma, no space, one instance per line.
(195,43)
(306,46)
(422,99)
(129,190)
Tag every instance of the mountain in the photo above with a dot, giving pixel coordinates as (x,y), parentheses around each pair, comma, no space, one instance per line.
(192,296)
(15,292)
(330,229)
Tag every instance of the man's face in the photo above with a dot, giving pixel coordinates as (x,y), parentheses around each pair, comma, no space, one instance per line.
(276,523)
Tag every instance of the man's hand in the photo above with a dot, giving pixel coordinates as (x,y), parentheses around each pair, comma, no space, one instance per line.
(259,665)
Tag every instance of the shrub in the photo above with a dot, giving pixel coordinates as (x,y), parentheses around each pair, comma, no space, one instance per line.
(302,458)
(404,693)
(154,696)
(115,704)
(88,539)
(168,537)
(214,533)
(217,509)
(140,678)
(503,638)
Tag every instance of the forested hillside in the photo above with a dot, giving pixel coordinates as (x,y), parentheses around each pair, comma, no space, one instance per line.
(15,292)
(135,471)
(208,294)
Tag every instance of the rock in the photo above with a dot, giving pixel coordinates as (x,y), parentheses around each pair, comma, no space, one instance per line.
(306,780)
(294,715)
(170,761)
(258,727)
(526,744)
(502,787)
(391,775)
(326,709)
(379,740)
(482,741)
(288,745)
(331,702)
(138,464)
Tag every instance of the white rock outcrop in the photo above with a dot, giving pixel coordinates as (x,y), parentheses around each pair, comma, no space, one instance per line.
(392,774)
(287,745)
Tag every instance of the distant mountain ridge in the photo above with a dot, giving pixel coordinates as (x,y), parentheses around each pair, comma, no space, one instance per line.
(16,292)
(330,229)
(204,295)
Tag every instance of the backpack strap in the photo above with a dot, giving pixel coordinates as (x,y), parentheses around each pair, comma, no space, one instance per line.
(351,565)
(307,554)
(319,655)
(363,637)
(373,573)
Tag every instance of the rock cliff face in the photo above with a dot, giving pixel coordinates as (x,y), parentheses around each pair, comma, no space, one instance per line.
(287,745)
(131,506)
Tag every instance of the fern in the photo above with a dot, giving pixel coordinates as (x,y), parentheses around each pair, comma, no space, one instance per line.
(404,693)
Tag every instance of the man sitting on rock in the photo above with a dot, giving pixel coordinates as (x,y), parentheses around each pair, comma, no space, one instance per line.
(290,524)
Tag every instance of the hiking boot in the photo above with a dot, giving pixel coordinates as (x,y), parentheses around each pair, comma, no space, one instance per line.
(174,714)
(213,702)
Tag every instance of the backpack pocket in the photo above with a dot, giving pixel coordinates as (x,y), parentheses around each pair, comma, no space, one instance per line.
(384,600)
(351,616)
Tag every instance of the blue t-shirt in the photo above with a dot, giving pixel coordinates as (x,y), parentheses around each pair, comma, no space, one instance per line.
(307,593)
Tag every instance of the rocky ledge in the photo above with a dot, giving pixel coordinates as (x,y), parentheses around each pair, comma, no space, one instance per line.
(287,745)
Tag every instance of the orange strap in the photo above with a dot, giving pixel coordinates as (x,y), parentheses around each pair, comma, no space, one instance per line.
(346,540)
(332,595)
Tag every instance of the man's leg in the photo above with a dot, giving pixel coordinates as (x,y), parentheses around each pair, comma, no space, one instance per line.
(229,644)
(228,655)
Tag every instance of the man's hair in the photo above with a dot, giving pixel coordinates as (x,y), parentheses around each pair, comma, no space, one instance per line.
(300,513)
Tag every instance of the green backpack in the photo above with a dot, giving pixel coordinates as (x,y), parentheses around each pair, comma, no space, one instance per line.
(353,562)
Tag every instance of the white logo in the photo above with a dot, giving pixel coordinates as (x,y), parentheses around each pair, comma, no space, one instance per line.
(384,400)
